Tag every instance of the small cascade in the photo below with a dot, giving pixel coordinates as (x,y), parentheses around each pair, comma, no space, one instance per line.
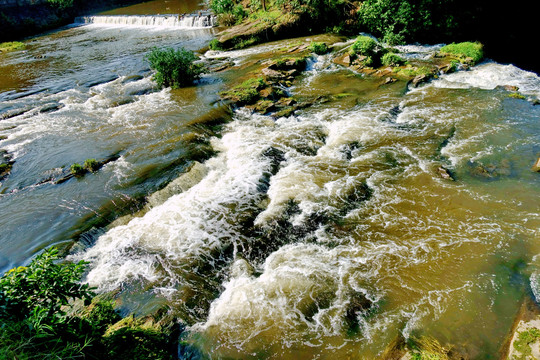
(171,20)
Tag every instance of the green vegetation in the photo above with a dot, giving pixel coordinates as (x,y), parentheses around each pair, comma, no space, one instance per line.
(318,48)
(91,165)
(77,169)
(524,340)
(11,46)
(245,93)
(364,45)
(399,21)
(174,68)
(391,59)
(465,50)
(61,4)
(411,71)
(42,316)
(427,348)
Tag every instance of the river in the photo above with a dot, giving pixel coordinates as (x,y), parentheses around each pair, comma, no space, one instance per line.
(324,234)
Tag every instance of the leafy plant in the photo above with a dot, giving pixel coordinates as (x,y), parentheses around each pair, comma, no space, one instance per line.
(222,6)
(61,4)
(174,68)
(464,50)
(318,48)
(524,340)
(91,165)
(391,59)
(41,289)
(364,45)
(77,169)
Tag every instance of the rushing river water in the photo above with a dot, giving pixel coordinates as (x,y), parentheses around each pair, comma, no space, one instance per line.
(324,234)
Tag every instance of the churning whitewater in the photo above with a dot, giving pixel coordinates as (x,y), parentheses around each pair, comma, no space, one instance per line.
(332,222)
(330,232)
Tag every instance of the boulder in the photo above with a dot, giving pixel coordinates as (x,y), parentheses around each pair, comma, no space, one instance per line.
(344,60)
(445,173)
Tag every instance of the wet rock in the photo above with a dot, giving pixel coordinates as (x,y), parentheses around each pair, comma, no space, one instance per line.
(491,170)
(285,112)
(536,166)
(273,75)
(286,102)
(511,88)
(445,173)
(420,79)
(50,108)
(264,106)
(221,67)
(193,175)
(345,60)
(446,68)
(6,164)
(358,305)
(12,113)
(388,80)
(98,165)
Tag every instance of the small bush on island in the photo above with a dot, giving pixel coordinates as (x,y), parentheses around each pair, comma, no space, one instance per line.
(391,59)
(318,48)
(77,169)
(91,165)
(174,68)
(364,45)
(464,50)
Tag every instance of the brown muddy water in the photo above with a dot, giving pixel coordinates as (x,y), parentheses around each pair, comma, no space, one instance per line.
(326,234)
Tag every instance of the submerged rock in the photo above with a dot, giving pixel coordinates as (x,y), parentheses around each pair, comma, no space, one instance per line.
(445,173)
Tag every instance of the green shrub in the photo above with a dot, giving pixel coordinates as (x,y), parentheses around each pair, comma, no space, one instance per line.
(42,316)
(398,21)
(239,13)
(77,169)
(11,46)
(215,45)
(42,288)
(391,59)
(318,48)
(174,68)
(364,45)
(61,4)
(91,165)
(464,50)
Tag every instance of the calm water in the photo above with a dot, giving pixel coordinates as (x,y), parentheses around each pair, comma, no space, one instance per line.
(283,226)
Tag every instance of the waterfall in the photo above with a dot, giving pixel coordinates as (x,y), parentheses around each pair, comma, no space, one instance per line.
(171,20)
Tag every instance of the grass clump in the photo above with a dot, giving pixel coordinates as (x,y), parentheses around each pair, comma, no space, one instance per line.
(215,44)
(174,68)
(91,165)
(318,48)
(11,46)
(364,45)
(524,340)
(391,59)
(465,50)
(427,348)
(77,169)
(246,93)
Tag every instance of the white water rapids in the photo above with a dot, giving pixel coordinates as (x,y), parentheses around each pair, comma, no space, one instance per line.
(418,248)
